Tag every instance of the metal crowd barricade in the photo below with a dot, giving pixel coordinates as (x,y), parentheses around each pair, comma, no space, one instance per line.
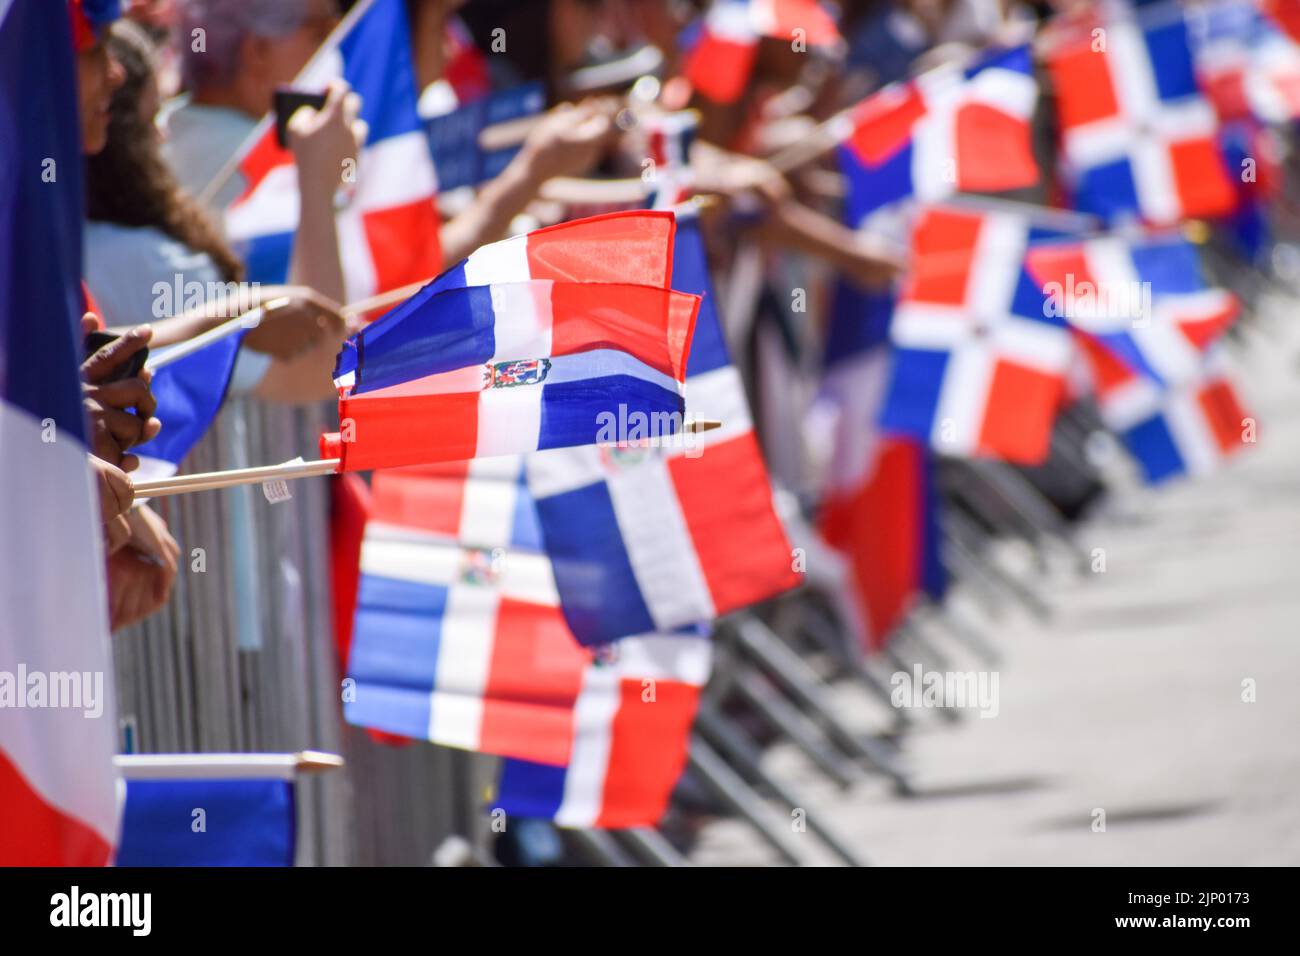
(242,659)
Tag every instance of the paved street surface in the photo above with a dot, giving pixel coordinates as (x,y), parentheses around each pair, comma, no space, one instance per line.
(1129,699)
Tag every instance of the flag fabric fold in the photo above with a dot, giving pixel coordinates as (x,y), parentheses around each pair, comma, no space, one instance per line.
(189,393)
(58,713)
(512,368)
(1186,429)
(631,730)
(878,505)
(648,537)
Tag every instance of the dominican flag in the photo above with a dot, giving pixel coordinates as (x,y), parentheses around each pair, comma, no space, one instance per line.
(1143,298)
(720,48)
(631,732)
(483,502)
(979,360)
(525,363)
(949,130)
(878,507)
(668,143)
(511,368)
(465,647)
(1184,429)
(649,537)
(58,716)
(1138,138)
(209,810)
(1247,66)
(388,224)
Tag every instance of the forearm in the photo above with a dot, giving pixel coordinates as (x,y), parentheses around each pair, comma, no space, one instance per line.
(213,312)
(791,224)
(315,262)
(488,217)
(306,378)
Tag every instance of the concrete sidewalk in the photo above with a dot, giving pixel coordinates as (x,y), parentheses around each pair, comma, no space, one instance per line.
(1130,698)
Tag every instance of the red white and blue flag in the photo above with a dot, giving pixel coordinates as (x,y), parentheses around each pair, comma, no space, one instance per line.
(1184,429)
(722,45)
(465,647)
(58,716)
(631,732)
(878,506)
(483,502)
(979,362)
(668,144)
(950,130)
(511,368)
(1247,66)
(1143,298)
(1138,137)
(524,361)
(650,537)
(388,224)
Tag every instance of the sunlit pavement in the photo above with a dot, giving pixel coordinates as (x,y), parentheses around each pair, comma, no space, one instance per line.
(1130,699)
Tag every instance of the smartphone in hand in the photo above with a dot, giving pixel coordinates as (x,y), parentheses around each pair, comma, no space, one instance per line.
(286,102)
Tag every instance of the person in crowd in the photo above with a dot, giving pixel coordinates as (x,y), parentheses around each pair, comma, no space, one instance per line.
(142,555)
(234,53)
(144,231)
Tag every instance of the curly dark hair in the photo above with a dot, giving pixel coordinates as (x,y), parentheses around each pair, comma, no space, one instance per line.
(129,183)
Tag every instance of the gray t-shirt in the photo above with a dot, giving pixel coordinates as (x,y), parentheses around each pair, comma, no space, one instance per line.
(140,274)
(200,141)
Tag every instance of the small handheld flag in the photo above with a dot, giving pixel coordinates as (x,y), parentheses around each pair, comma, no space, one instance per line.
(949,130)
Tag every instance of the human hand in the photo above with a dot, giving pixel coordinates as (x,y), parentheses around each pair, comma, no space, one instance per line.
(569,140)
(116,494)
(140,575)
(324,141)
(113,429)
(295,324)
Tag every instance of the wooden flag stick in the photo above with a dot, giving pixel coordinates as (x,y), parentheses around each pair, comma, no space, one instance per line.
(211,480)
(248,320)
(697,425)
(207,481)
(217,766)
(384,299)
